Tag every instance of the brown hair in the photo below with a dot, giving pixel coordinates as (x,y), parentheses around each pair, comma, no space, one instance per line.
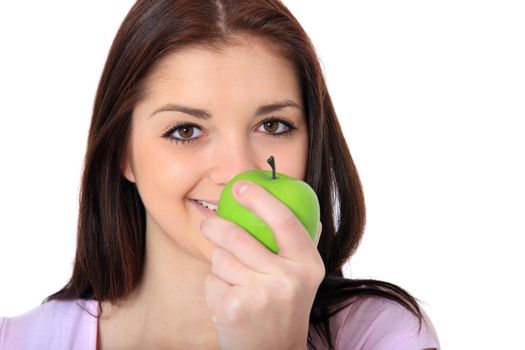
(111,227)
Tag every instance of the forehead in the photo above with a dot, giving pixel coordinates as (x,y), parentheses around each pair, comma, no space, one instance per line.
(246,66)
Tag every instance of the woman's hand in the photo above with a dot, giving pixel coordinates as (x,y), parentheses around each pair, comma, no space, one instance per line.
(258,299)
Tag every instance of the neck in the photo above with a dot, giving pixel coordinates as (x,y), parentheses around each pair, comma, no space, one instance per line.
(168,309)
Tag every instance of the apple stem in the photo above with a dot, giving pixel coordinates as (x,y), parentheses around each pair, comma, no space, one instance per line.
(271,161)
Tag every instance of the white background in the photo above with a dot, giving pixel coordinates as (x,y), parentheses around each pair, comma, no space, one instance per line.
(431,96)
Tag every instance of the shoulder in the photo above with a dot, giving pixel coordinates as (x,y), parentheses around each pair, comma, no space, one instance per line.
(60,324)
(379,323)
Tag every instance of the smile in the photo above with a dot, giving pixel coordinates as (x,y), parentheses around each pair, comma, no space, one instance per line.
(208,209)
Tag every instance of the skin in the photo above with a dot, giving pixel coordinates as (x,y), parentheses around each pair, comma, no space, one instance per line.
(207,283)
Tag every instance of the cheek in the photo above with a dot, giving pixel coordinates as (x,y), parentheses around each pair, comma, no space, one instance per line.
(162,177)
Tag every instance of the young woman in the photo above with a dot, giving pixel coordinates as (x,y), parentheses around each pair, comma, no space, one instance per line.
(194,92)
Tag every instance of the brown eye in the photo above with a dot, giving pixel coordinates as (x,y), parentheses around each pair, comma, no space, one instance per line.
(276,127)
(186,132)
(271,126)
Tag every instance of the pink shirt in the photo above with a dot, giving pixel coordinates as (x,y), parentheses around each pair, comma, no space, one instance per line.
(369,324)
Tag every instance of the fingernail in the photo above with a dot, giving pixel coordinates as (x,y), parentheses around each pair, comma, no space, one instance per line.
(240,187)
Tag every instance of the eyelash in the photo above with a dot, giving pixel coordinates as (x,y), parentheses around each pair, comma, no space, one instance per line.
(167,134)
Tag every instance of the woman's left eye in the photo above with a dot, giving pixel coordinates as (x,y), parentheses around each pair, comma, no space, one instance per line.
(277,127)
(183,132)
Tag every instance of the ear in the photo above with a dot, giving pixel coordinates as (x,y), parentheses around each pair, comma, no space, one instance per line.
(126,169)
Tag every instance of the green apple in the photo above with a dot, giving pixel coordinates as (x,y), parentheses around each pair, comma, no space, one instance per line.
(295,194)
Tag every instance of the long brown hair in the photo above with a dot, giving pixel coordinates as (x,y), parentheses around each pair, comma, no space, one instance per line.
(111,227)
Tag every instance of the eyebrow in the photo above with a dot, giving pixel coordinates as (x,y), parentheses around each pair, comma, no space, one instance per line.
(204,114)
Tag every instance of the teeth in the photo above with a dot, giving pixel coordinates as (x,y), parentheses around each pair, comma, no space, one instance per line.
(207,205)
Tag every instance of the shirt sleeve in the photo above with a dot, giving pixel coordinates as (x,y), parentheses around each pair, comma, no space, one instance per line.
(380,324)
(57,325)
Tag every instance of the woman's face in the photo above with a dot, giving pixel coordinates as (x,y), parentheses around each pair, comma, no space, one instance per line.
(207,116)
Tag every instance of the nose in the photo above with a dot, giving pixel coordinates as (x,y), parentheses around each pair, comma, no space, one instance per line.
(231,157)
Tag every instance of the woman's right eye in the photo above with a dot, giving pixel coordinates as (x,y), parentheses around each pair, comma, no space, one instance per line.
(182,133)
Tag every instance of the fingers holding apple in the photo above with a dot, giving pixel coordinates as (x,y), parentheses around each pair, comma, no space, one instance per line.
(253,292)
(287,230)
(265,269)
(292,240)
(248,210)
